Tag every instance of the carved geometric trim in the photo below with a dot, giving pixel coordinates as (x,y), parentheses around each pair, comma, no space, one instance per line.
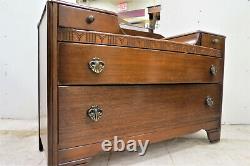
(90,37)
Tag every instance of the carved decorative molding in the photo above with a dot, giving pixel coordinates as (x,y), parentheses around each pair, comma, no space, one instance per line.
(90,37)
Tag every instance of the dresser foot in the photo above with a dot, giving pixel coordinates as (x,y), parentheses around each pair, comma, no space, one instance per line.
(40,145)
(213,135)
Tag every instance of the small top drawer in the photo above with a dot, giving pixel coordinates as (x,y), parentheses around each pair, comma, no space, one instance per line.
(87,19)
(212,41)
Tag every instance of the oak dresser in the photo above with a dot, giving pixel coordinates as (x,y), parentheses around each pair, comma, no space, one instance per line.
(99,79)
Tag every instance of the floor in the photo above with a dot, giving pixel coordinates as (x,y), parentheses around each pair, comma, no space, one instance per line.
(19,147)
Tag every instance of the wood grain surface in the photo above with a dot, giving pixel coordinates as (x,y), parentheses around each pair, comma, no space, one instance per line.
(131,110)
(151,87)
(133,66)
(76,18)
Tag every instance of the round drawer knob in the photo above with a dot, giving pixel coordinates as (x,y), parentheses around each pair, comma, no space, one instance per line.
(209,101)
(215,41)
(90,19)
(213,70)
(94,113)
(96,65)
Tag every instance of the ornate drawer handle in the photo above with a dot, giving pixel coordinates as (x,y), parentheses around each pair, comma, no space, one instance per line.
(96,65)
(90,19)
(94,113)
(215,41)
(209,101)
(213,70)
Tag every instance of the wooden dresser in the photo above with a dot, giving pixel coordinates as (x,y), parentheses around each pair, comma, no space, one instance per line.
(98,80)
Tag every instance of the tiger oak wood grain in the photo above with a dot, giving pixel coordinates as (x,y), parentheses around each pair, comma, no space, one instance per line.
(193,38)
(151,88)
(202,39)
(66,155)
(76,18)
(213,41)
(47,86)
(110,39)
(131,110)
(133,66)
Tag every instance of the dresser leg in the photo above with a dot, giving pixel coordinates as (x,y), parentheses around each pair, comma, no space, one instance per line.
(40,145)
(213,135)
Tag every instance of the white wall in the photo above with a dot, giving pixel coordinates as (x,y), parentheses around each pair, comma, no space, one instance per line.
(18,57)
(227,17)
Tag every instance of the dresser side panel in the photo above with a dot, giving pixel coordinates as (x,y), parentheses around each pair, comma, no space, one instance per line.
(48,82)
(52,82)
(42,77)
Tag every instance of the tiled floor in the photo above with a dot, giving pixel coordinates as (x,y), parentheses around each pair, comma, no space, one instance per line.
(19,147)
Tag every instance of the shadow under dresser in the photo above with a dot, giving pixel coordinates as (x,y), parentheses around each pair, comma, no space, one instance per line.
(98,80)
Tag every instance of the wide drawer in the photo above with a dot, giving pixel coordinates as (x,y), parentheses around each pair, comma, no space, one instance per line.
(134,66)
(132,110)
(78,18)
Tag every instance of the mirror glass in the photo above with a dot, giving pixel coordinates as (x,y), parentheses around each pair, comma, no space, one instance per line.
(139,13)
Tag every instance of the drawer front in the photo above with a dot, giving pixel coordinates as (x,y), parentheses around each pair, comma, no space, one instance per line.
(79,18)
(133,66)
(134,110)
(212,41)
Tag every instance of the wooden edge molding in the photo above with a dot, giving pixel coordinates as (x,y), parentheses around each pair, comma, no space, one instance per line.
(195,32)
(89,150)
(193,39)
(76,162)
(91,37)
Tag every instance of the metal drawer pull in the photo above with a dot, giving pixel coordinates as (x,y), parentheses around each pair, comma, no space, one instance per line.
(213,70)
(96,65)
(209,101)
(95,113)
(90,19)
(215,41)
